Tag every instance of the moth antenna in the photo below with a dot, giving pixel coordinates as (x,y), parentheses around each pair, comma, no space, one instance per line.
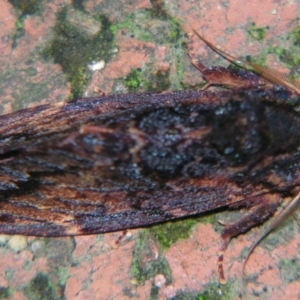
(227,56)
(277,221)
(267,73)
(277,77)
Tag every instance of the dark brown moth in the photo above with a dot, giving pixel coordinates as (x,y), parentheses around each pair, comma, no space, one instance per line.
(102,164)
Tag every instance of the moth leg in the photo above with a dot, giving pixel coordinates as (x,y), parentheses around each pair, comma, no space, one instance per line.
(125,233)
(277,221)
(258,214)
(99,92)
(227,77)
(269,74)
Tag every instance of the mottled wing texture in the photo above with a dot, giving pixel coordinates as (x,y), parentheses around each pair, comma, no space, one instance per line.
(102,164)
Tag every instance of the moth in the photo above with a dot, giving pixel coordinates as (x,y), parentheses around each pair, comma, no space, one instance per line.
(109,163)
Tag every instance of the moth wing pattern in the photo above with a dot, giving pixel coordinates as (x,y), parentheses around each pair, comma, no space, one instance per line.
(131,163)
(115,162)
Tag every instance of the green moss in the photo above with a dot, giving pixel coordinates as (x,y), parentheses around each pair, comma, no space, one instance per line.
(145,267)
(19,24)
(78,4)
(145,263)
(9,274)
(190,296)
(75,46)
(26,7)
(260,59)
(63,275)
(284,55)
(159,82)
(159,12)
(295,53)
(295,36)
(154,293)
(169,233)
(281,236)
(137,80)
(5,292)
(59,252)
(23,8)
(176,31)
(154,25)
(290,57)
(158,9)
(257,33)
(31,71)
(128,23)
(140,80)
(290,270)
(27,96)
(40,288)
(133,80)
(213,291)
(147,26)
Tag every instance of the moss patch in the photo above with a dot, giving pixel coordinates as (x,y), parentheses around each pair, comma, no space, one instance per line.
(291,56)
(41,287)
(159,11)
(134,81)
(137,80)
(26,7)
(5,292)
(169,233)
(27,96)
(157,26)
(286,56)
(78,4)
(23,8)
(257,33)
(159,82)
(290,270)
(147,25)
(146,264)
(79,40)
(295,36)
(213,291)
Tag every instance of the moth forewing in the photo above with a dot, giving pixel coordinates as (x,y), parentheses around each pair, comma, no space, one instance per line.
(102,164)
